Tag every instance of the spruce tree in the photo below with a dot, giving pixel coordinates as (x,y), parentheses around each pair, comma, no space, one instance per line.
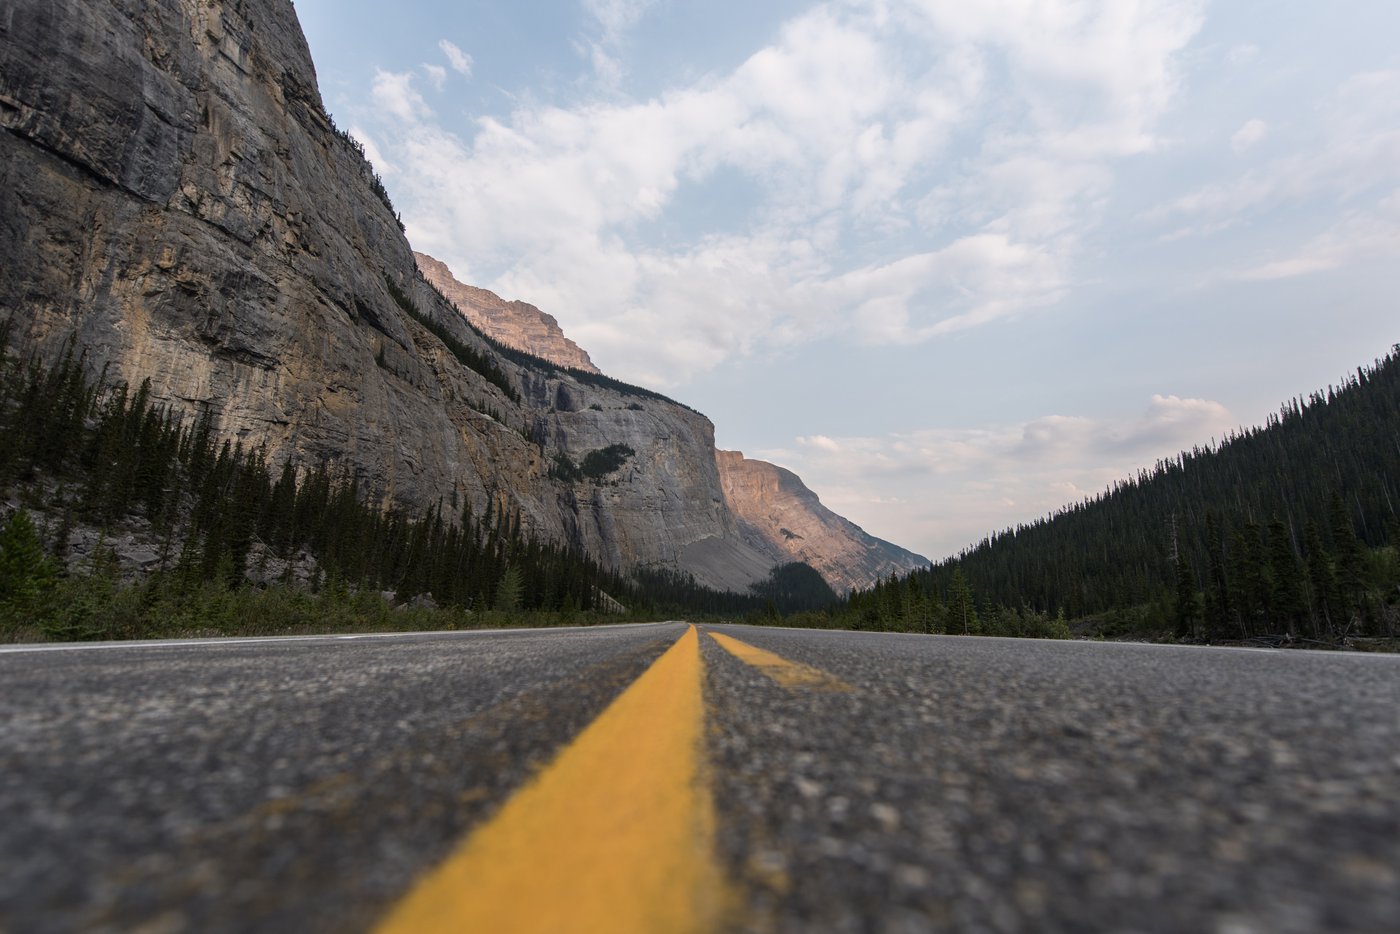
(1326,596)
(1187,608)
(26,573)
(962,606)
(1286,603)
(1217,604)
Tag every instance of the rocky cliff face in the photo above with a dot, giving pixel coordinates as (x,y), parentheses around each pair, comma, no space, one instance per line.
(778,513)
(174,199)
(515,324)
(175,202)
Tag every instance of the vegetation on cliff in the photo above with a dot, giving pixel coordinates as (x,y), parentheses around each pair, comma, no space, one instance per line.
(537,364)
(469,357)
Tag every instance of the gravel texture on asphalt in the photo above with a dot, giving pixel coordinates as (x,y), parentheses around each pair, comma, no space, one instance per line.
(976,784)
(279,785)
(960,784)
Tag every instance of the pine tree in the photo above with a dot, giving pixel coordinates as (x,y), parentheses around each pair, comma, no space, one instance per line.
(1350,560)
(962,606)
(1286,603)
(508,591)
(1217,604)
(1187,608)
(26,573)
(1326,596)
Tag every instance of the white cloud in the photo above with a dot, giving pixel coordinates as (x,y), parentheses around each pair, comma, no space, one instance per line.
(981,137)
(460,61)
(436,74)
(937,491)
(393,94)
(822,442)
(1360,235)
(1354,150)
(616,17)
(1242,54)
(613,19)
(1246,137)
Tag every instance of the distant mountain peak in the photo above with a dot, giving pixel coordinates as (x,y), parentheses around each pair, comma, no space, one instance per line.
(779,513)
(515,324)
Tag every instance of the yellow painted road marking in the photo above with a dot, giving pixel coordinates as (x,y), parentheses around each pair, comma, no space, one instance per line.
(787,673)
(616,835)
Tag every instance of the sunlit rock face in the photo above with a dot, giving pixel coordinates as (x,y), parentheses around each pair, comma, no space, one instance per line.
(778,512)
(515,324)
(176,204)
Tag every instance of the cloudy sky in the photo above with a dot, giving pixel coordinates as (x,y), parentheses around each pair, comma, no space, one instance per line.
(956,263)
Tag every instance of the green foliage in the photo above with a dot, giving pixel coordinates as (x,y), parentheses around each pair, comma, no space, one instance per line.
(508,590)
(598,464)
(112,456)
(469,357)
(27,575)
(790,589)
(794,588)
(1187,607)
(565,469)
(962,609)
(1266,544)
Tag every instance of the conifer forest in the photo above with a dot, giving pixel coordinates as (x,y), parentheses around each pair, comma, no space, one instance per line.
(1285,533)
(1282,533)
(246,547)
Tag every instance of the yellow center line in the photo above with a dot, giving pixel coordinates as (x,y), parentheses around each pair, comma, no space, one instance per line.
(615,835)
(787,673)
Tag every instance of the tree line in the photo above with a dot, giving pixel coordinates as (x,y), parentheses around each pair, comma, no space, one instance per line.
(87,452)
(1287,530)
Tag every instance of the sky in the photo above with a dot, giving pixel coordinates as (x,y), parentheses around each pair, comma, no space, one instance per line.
(957,264)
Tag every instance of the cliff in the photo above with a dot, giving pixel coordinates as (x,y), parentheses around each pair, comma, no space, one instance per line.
(176,204)
(776,514)
(779,513)
(515,324)
(175,201)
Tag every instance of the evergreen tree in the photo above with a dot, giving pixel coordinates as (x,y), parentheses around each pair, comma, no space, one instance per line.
(1218,612)
(1327,599)
(26,573)
(1187,608)
(508,591)
(1350,563)
(962,606)
(1286,603)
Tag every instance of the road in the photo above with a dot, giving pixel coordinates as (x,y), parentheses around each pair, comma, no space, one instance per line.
(719,778)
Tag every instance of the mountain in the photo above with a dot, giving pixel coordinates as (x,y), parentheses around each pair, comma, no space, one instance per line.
(779,513)
(177,206)
(515,324)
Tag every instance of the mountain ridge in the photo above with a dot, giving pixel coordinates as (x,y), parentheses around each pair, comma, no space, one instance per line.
(513,323)
(770,501)
(184,210)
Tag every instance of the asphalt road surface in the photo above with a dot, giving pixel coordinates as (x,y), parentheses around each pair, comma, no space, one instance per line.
(859,782)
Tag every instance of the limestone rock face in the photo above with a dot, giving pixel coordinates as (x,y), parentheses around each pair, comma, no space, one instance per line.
(177,205)
(175,201)
(778,512)
(515,324)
